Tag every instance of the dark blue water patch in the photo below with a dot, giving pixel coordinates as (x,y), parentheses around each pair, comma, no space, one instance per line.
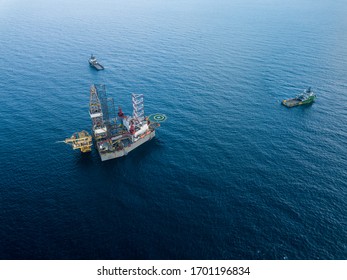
(231,174)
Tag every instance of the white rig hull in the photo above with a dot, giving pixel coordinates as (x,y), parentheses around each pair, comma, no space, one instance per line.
(107,155)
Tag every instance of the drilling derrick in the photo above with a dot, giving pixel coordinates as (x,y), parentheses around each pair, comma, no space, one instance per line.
(96,114)
(101,92)
(138,107)
(112,117)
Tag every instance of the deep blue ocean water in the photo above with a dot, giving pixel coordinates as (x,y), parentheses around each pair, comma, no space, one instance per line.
(232,174)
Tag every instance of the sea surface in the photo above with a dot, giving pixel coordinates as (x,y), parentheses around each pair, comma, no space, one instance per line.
(232,174)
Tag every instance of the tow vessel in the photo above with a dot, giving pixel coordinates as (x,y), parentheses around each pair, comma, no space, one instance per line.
(94,63)
(306,97)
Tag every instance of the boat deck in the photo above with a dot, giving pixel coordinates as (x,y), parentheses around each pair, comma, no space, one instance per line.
(291,102)
(97,66)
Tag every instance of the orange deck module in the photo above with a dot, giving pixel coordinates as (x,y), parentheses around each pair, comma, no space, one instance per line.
(80,140)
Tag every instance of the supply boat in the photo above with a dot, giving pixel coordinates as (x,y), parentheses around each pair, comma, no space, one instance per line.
(306,97)
(94,63)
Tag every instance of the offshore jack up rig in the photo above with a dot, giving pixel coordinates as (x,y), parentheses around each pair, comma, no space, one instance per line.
(115,135)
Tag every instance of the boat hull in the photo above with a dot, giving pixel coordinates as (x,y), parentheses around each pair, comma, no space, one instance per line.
(97,66)
(295,102)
